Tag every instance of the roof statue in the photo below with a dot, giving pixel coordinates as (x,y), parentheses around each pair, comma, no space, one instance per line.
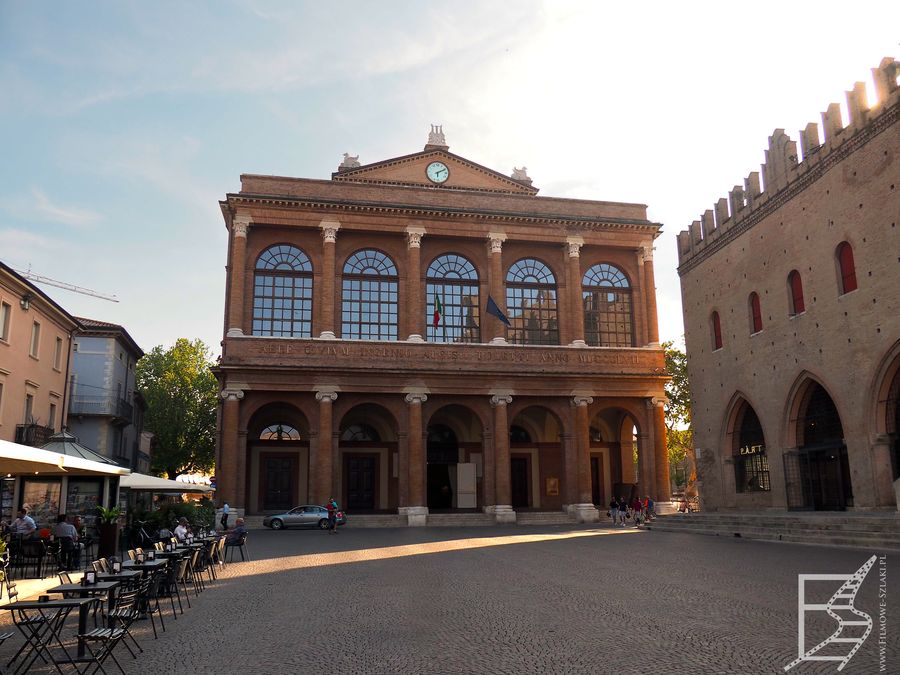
(436,137)
(349,162)
(521,174)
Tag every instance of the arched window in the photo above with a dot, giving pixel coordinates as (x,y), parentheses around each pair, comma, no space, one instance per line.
(795,288)
(716,331)
(361,433)
(369,297)
(531,303)
(755,313)
(608,315)
(282,293)
(846,267)
(751,464)
(452,300)
(279,432)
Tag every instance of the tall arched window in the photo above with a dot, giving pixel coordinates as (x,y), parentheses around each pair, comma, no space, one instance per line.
(716,331)
(531,303)
(282,293)
(369,297)
(755,313)
(795,288)
(608,315)
(751,464)
(452,300)
(846,267)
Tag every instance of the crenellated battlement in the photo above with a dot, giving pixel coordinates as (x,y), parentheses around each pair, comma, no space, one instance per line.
(786,172)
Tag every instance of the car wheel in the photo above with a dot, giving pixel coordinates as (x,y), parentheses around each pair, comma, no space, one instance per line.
(277,524)
(323,524)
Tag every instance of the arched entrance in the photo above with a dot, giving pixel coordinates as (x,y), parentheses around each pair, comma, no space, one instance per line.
(537,462)
(817,474)
(617,460)
(367,466)
(453,456)
(747,448)
(278,448)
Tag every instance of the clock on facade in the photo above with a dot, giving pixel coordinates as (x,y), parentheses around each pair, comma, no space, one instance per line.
(437,172)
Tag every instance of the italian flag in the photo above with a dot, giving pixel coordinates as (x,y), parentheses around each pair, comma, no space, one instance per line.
(438,311)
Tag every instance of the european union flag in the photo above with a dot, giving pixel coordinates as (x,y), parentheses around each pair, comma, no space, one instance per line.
(494,310)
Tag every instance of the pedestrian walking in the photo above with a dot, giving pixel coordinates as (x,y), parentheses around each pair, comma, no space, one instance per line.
(623,511)
(225,511)
(332,507)
(637,510)
(613,510)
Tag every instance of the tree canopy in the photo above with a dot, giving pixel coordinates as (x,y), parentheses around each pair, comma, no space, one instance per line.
(679,430)
(180,390)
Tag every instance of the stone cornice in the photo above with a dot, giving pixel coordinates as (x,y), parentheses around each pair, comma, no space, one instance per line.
(817,169)
(486,215)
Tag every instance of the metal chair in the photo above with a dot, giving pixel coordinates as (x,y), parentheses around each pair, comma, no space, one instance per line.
(32,625)
(121,618)
(240,543)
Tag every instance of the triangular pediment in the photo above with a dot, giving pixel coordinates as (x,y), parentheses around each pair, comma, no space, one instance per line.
(412,170)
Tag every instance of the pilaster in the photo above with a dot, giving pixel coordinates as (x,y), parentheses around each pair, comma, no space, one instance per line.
(417,510)
(502,510)
(227,473)
(496,328)
(575,303)
(415,313)
(237,277)
(330,229)
(321,466)
(583,509)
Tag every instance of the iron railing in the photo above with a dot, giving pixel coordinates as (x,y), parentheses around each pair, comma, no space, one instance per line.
(109,406)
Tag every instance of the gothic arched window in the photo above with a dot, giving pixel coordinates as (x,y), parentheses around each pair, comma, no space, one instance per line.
(795,288)
(452,304)
(846,267)
(531,303)
(608,314)
(369,297)
(755,313)
(282,293)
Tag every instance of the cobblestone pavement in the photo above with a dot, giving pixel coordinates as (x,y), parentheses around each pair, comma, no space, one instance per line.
(553,599)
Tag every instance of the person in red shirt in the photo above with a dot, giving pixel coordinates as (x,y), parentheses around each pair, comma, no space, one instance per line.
(332,507)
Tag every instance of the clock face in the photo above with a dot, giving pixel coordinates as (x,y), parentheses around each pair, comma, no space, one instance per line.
(437,172)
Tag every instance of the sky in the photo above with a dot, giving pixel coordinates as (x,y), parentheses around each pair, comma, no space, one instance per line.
(123,124)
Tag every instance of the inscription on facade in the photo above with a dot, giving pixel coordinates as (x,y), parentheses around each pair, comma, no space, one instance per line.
(447,354)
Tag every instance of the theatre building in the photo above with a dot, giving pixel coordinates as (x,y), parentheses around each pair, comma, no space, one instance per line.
(791,296)
(367,356)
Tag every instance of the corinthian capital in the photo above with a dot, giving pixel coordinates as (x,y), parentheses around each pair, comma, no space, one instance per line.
(497,239)
(330,229)
(647,253)
(414,236)
(574,244)
(240,224)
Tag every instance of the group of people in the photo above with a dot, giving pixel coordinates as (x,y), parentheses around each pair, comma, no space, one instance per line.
(637,510)
(67,535)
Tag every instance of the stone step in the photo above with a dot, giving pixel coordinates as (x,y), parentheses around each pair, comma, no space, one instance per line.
(856,526)
(759,528)
(543,518)
(792,537)
(459,519)
(377,520)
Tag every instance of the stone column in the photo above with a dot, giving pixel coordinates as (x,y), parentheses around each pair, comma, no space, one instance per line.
(237,267)
(645,460)
(487,470)
(416,511)
(227,473)
(415,309)
(322,468)
(326,293)
(576,304)
(660,452)
(241,493)
(491,325)
(584,509)
(650,296)
(502,510)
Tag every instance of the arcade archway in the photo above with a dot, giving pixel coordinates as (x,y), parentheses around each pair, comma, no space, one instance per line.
(278,457)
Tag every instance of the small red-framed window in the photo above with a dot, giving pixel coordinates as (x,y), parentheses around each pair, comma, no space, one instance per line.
(795,285)
(846,267)
(717,331)
(755,313)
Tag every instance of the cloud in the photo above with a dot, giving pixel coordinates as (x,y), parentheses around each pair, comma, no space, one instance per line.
(39,207)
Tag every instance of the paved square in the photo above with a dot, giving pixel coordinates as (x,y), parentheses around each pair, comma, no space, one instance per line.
(555,599)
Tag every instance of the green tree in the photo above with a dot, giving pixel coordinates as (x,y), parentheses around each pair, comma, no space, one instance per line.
(679,431)
(180,391)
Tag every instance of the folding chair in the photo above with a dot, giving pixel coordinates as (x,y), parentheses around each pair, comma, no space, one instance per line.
(33,626)
(107,638)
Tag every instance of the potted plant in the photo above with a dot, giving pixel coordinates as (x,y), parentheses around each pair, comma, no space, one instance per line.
(108,526)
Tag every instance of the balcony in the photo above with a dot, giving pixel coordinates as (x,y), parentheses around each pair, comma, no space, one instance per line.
(34,435)
(120,410)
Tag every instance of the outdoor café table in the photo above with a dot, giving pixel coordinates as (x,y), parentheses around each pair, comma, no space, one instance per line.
(125,575)
(83,591)
(41,637)
(146,566)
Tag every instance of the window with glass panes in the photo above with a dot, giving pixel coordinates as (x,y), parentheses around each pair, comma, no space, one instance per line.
(531,303)
(282,293)
(452,286)
(369,297)
(608,315)
(751,465)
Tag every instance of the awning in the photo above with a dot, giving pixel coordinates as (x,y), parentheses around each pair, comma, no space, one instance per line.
(140,481)
(23,460)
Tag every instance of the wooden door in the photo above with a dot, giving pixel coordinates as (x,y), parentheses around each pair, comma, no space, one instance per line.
(360,483)
(279,476)
(519,482)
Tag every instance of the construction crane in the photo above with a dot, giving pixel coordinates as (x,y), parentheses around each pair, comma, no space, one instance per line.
(28,274)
